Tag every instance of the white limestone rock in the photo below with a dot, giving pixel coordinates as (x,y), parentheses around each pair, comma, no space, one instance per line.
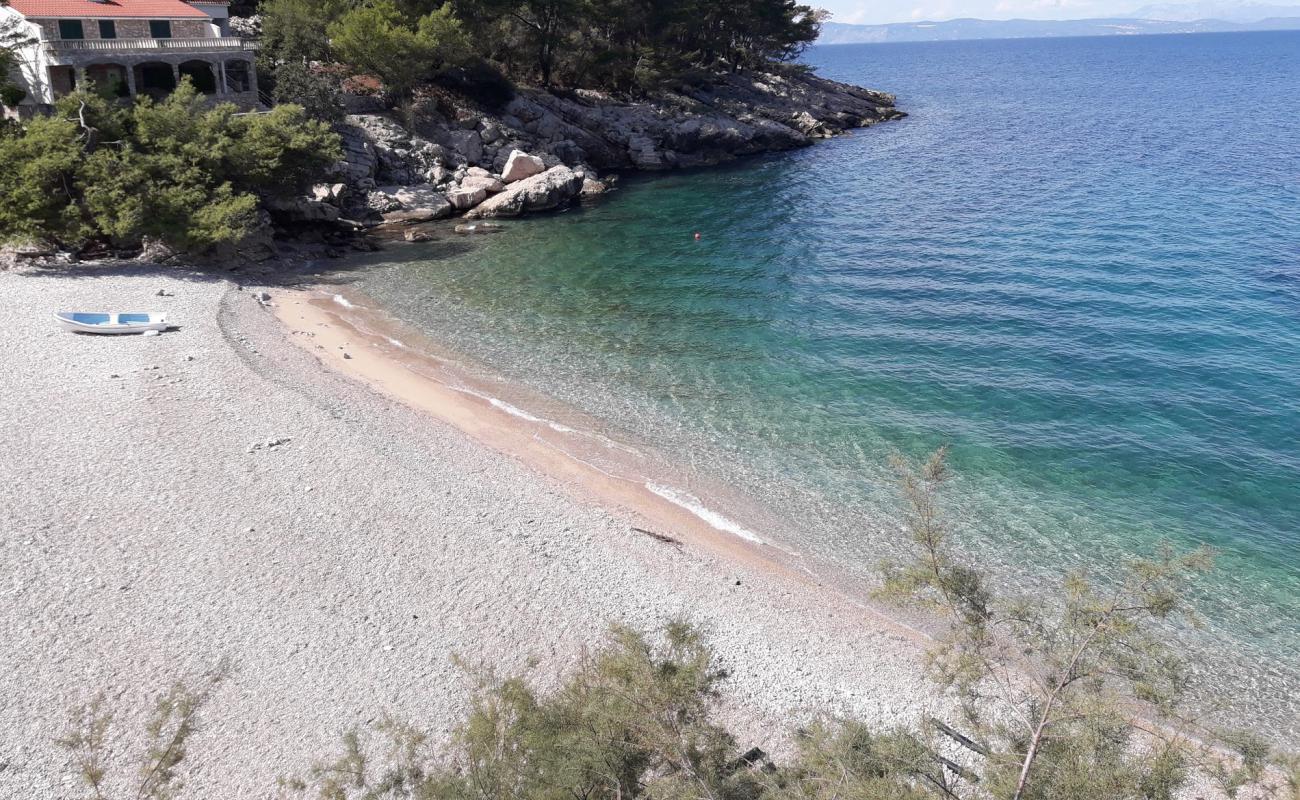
(412,215)
(489,183)
(592,188)
(328,192)
(551,189)
(520,165)
(463,199)
(382,202)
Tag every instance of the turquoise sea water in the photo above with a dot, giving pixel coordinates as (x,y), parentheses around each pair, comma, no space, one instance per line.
(1077,262)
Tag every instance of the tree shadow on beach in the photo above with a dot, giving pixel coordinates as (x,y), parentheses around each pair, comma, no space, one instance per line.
(292,266)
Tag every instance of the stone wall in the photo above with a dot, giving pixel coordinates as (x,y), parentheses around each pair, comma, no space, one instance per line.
(129,28)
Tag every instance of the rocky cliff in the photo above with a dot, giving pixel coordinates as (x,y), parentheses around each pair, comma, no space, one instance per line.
(541,150)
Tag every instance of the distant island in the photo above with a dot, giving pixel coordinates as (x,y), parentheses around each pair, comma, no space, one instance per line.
(958,29)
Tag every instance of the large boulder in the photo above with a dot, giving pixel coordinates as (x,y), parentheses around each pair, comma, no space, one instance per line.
(520,165)
(413,215)
(420,196)
(382,202)
(488,183)
(553,188)
(462,199)
(409,203)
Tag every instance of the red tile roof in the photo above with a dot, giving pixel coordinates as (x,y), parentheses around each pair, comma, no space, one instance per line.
(112,9)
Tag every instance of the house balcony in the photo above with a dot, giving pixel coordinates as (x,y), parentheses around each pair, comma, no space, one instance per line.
(223,68)
(72,49)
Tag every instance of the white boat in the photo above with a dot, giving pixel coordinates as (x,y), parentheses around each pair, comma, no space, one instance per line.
(112,322)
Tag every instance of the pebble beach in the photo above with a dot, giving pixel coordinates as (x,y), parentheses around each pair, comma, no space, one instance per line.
(220,491)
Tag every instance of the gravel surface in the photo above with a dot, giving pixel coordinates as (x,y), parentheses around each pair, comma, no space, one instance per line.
(214,491)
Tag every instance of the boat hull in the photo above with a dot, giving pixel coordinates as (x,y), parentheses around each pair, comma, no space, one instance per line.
(111,322)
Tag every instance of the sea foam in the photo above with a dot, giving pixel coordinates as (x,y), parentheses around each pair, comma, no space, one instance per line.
(516,411)
(693,505)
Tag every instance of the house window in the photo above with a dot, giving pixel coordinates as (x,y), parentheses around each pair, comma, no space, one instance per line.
(71,29)
(160,28)
(107,29)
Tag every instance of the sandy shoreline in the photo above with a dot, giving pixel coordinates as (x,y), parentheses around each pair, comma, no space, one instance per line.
(147,534)
(348,333)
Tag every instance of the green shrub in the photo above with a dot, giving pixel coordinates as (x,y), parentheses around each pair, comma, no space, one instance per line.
(293,32)
(381,40)
(634,720)
(844,759)
(630,45)
(37,195)
(1068,703)
(317,91)
(179,171)
(1056,690)
(158,773)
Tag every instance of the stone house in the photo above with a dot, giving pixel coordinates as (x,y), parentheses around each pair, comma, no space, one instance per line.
(129,47)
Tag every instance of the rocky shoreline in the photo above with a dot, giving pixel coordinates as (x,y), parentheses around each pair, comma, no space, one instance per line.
(455,155)
(542,150)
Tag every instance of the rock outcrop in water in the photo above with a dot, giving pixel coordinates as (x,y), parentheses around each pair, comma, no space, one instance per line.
(550,189)
(543,150)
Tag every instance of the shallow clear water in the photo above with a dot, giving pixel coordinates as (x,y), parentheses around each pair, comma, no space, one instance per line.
(1077,262)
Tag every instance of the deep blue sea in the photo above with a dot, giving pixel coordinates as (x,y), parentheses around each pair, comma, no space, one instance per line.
(1077,262)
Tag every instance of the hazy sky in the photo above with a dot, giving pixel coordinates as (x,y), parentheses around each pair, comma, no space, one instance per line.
(872,12)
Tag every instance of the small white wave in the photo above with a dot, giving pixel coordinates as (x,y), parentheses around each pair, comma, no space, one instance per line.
(516,411)
(693,505)
(394,342)
(343,301)
(555,426)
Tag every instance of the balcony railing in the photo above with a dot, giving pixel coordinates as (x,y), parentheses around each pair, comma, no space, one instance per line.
(223,43)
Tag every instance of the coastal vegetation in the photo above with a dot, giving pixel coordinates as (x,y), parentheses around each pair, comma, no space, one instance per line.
(1075,699)
(178,171)
(622,45)
(1079,696)
(94,173)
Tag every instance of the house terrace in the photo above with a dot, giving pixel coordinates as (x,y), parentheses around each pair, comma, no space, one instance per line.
(131,47)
